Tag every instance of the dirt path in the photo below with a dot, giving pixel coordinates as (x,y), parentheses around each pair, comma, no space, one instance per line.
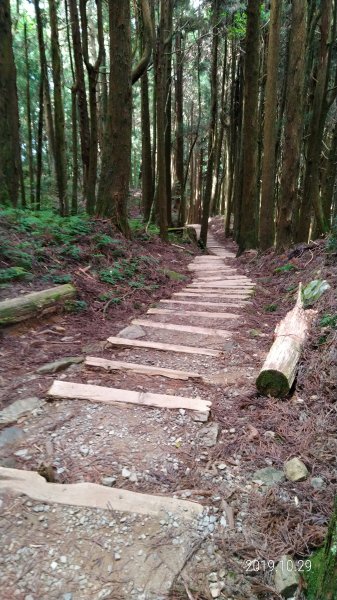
(157,495)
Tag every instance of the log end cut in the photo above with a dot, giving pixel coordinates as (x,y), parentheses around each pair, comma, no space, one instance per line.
(273,383)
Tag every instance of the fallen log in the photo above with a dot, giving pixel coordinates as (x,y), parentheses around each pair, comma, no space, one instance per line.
(30,305)
(279,370)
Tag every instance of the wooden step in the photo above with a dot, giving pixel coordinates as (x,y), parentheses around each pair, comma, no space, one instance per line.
(197,293)
(197,303)
(116,396)
(221,283)
(125,343)
(93,495)
(183,328)
(117,365)
(192,313)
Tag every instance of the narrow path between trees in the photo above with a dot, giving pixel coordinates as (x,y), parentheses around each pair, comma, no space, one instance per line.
(136,497)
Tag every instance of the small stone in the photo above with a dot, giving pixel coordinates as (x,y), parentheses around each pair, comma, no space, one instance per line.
(126,473)
(63,559)
(53,565)
(213,577)
(318,483)
(19,408)
(295,470)
(133,477)
(67,596)
(117,556)
(286,578)
(222,467)
(215,590)
(10,435)
(84,450)
(29,597)
(133,332)
(108,481)
(39,508)
(208,435)
(60,365)
(268,476)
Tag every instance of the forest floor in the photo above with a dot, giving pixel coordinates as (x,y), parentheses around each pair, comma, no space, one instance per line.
(226,513)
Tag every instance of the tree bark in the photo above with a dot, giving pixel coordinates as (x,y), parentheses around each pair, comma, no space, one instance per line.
(179,105)
(29,122)
(293,124)
(247,237)
(9,114)
(267,227)
(212,126)
(36,303)
(311,193)
(60,146)
(116,156)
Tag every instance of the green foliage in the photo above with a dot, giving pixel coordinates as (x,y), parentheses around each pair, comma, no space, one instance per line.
(285,268)
(270,308)
(48,225)
(313,291)
(13,273)
(75,306)
(112,275)
(173,275)
(137,226)
(74,252)
(61,278)
(14,255)
(328,321)
(103,241)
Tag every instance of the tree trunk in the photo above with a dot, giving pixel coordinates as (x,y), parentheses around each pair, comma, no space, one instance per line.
(161,90)
(29,121)
(330,177)
(212,126)
(267,228)
(9,114)
(247,237)
(311,193)
(46,88)
(39,146)
(293,124)
(168,107)
(81,93)
(60,147)
(179,100)
(116,156)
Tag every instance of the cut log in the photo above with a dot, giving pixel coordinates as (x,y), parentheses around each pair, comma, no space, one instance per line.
(182,328)
(279,370)
(116,396)
(34,304)
(117,365)
(125,343)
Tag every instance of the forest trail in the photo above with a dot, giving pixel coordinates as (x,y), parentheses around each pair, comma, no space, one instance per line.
(147,433)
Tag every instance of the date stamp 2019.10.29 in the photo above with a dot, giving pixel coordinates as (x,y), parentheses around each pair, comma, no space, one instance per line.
(260,565)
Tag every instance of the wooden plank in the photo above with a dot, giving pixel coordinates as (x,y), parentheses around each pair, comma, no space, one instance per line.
(218,290)
(209,294)
(117,365)
(125,343)
(221,277)
(192,313)
(222,283)
(116,396)
(197,303)
(182,328)
(92,495)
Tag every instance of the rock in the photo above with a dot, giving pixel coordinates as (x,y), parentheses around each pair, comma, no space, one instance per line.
(208,435)
(318,483)
(60,365)
(215,589)
(200,417)
(19,408)
(295,470)
(286,578)
(222,467)
(133,477)
(213,577)
(117,556)
(126,473)
(133,332)
(268,476)
(67,596)
(53,565)
(108,481)
(10,435)
(84,450)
